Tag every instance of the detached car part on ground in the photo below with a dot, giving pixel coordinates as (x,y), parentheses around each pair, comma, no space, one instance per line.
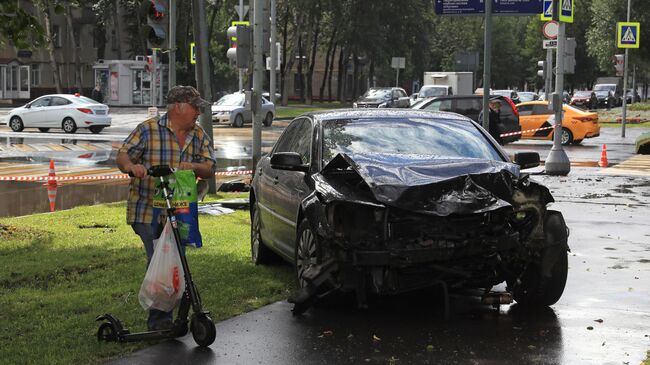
(392,201)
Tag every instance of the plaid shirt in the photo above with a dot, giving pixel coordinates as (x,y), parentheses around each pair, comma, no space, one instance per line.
(154,143)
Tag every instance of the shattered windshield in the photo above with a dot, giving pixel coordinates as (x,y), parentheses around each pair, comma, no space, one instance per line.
(417,136)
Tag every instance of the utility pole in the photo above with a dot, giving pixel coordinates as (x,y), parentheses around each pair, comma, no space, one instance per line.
(557,162)
(623,114)
(487,64)
(548,84)
(203,72)
(274,54)
(241,70)
(172,43)
(258,76)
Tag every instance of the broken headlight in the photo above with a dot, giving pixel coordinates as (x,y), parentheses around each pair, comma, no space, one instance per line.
(357,224)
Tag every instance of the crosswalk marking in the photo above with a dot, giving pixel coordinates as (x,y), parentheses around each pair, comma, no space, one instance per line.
(636,165)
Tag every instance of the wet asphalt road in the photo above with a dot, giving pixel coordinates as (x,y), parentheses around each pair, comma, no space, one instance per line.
(602,318)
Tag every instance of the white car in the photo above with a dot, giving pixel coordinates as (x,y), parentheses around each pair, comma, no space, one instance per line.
(232,109)
(65,111)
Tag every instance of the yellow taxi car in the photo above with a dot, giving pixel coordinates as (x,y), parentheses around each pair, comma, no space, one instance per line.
(577,124)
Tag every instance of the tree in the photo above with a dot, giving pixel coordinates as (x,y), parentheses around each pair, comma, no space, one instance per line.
(19,27)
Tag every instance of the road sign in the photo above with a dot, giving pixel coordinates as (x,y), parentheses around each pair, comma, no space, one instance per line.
(628,34)
(472,7)
(551,29)
(550,43)
(547,10)
(566,11)
(398,62)
(241,12)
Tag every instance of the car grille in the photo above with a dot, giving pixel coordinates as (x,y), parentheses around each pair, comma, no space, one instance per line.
(367,105)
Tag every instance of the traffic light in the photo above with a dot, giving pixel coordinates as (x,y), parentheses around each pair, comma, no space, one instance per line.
(240,50)
(542,69)
(157,23)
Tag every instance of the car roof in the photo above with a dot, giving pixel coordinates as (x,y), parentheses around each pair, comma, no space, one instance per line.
(336,114)
(473,96)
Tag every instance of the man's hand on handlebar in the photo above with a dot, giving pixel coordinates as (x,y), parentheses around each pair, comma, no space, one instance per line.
(138,171)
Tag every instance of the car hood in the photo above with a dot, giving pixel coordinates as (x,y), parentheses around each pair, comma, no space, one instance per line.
(424,184)
(224,108)
(372,100)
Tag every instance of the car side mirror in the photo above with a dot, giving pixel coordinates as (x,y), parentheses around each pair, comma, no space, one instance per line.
(414,96)
(527,160)
(290,161)
(28,105)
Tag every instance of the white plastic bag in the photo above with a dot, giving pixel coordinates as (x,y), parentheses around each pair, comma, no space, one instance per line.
(164,282)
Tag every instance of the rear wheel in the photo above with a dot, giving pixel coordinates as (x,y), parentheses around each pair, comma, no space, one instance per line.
(69,125)
(268,120)
(16,124)
(96,129)
(44,130)
(260,253)
(238,122)
(566,136)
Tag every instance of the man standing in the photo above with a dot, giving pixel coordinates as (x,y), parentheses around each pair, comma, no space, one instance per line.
(97,94)
(174,140)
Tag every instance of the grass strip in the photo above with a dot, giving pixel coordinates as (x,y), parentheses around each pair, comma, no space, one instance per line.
(62,269)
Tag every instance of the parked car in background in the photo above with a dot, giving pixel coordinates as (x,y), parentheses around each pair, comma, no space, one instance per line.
(428,91)
(577,124)
(566,97)
(513,95)
(527,96)
(606,98)
(633,96)
(383,97)
(65,111)
(471,106)
(389,201)
(586,99)
(232,109)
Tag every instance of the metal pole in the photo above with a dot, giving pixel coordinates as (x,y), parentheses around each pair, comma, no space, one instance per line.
(548,85)
(557,162)
(203,72)
(241,71)
(258,77)
(274,54)
(397,76)
(154,72)
(487,64)
(624,112)
(172,44)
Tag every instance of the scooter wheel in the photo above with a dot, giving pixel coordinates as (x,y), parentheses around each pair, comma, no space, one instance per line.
(203,330)
(106,332)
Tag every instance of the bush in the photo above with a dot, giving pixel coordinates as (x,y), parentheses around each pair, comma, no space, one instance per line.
(639,106)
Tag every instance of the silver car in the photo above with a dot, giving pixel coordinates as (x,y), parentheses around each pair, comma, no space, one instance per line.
(231,109)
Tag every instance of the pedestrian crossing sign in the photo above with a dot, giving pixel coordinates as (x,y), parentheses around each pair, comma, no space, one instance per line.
(627,34)
(547,13)
(567,8)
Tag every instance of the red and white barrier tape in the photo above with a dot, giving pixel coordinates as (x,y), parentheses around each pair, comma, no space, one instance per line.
(100,177)
(522,132)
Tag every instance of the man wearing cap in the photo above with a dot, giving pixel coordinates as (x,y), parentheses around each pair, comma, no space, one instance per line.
(174,140)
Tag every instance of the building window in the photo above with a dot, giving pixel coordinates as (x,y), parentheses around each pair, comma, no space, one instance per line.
(56,35)
(36,74)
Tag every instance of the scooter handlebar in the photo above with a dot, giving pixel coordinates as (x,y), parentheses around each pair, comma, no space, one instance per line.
(157,171)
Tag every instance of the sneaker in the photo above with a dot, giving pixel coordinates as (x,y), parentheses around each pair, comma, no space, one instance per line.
(165,324)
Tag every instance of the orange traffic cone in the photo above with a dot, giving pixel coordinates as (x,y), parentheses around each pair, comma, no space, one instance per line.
(603,157)
(51,186)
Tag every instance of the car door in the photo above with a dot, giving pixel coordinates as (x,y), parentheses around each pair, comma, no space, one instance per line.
(36,113)
(59,109)
(264,191)
(291,186)
(541,113)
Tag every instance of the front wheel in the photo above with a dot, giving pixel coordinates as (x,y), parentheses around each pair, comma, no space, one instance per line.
(539,287)
(203,330)
(566,136)
(307,252)
(268,120)
(238,122)
(16,124)
(106,333)
(69,125)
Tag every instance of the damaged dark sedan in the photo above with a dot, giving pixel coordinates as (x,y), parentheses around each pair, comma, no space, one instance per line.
(389,201)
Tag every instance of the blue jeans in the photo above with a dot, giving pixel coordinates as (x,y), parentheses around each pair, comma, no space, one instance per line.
(147,235)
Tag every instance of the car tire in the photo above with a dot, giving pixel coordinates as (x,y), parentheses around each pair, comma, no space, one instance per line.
(535,289)
(566,137)
(307,251)
(261,254)
(96,129)
(239,121)
(16,124)
(68,125)
(44,130)
(268,120)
